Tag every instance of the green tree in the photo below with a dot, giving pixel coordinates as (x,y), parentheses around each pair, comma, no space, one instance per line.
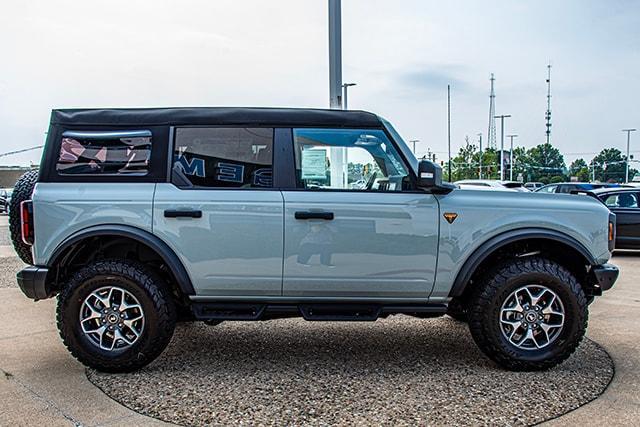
(520,164)
(610,166)
(464,165)
(580,170)
(545,161)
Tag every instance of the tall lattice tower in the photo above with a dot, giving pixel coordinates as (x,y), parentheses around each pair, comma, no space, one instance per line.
(548,112)
(491,133)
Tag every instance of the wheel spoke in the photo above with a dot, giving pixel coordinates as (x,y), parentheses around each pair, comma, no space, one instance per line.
(128,307)
(514,327)
(119,336)
(87,329)
(104,301)
(529,337)
(103,334)
(94,312)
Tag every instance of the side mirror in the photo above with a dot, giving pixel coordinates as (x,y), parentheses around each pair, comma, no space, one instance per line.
(429,174)
(430,178)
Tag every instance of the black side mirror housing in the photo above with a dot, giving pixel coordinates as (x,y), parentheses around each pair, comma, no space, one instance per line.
(430,178)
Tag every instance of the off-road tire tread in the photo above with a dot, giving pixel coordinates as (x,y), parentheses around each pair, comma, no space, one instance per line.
(457,310)
(155,289)
(499,351)
(22,191)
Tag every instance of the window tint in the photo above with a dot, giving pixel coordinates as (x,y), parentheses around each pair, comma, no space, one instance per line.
(104,153)
(348,159)
(622,200)
(225,157)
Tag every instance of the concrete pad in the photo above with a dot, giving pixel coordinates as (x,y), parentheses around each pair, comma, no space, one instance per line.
(41,381)
(615,324)
(7,251)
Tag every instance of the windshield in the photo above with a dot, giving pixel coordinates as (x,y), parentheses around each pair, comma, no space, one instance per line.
(401,144)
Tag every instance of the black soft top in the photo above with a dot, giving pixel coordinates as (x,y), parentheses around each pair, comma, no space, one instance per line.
(214,116)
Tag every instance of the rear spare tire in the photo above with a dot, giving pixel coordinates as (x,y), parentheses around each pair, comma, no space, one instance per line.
(21,192)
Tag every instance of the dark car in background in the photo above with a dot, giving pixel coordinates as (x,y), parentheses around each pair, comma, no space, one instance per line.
(624,203)
(5,199)
(568,187)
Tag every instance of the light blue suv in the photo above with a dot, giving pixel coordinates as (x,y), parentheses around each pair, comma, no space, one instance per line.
(143,217)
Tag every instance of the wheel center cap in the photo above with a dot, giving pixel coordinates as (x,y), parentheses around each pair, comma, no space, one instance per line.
(112,318)
(531,316)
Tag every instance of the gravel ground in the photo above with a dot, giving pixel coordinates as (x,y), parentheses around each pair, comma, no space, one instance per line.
(400,371)
(9,267)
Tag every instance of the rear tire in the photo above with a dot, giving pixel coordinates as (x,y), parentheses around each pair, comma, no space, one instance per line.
(513,315)
(115,315)
(457,310)
(22,191)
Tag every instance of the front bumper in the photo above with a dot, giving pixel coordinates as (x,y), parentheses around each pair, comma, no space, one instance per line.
(33,282)
(606,275)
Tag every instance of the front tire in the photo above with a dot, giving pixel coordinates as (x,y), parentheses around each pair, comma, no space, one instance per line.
(528,314)
(115,315)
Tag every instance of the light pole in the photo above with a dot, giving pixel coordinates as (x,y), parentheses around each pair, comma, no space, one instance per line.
(480,169)
(449,128)
(511,157)
(626,173)
(335,54)
(338,155)
(345,86)
(413,141)
(502,117)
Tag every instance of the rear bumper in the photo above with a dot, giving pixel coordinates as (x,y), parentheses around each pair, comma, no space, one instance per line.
(606,275)
(33,282)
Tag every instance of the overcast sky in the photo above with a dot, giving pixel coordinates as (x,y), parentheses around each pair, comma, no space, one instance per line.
(402,54)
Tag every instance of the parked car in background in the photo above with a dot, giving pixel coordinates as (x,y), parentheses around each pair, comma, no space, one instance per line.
(568,187)
(624,203)
(5,199)
(533,186)
(492,184)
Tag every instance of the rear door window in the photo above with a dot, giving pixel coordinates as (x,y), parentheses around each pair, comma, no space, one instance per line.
(105,153)
(224,157)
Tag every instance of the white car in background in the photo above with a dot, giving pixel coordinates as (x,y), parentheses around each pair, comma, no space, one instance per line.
(491,184)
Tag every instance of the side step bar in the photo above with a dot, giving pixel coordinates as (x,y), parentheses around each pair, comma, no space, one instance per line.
(314,312)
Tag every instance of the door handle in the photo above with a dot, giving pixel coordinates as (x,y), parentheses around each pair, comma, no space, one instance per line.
(314,215)
(183,213)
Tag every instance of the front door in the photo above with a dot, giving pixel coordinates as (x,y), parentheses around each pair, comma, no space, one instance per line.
(355,227)
(220,213)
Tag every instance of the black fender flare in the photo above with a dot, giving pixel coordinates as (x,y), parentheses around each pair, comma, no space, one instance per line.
(137,234)
(496,242)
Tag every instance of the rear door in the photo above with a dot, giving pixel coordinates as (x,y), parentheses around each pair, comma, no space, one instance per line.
(221,214)
(353,226)
(626,207)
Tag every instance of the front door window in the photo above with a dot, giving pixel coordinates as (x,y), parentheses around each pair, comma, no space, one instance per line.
(348,159)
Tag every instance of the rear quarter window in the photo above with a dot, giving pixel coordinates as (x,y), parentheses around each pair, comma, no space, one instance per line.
(109,153)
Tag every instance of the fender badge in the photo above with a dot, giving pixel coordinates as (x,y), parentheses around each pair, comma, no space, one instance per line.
(450,217)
